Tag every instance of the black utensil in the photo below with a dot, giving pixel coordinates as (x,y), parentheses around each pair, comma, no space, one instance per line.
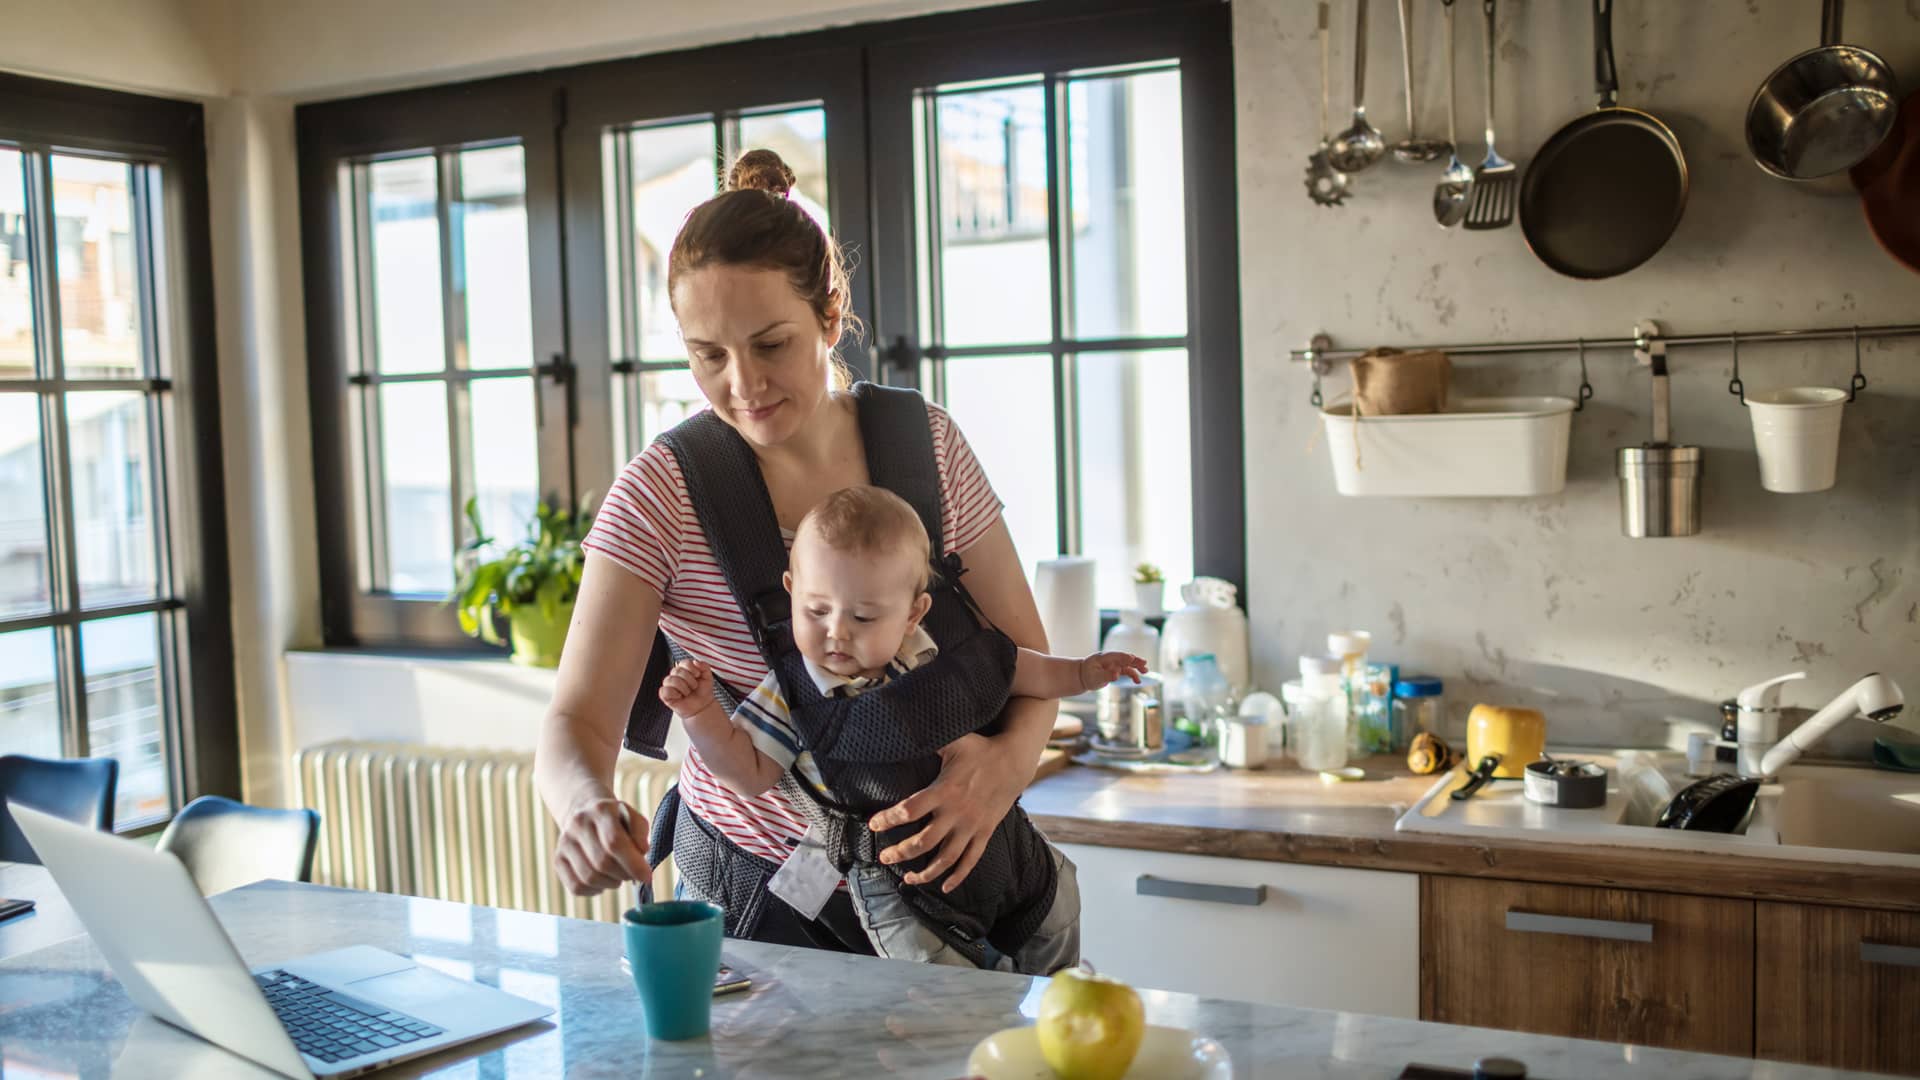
(1482,773)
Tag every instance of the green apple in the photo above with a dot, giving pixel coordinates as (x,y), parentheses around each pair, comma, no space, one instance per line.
(1090,1025)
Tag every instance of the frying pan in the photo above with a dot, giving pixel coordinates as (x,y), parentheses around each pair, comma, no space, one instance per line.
(1889,183)
(1823,111)
(1606,191)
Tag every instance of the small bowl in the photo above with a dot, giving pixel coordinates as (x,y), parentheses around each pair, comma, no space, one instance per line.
(1581,790)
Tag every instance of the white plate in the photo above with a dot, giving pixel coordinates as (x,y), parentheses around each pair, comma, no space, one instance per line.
(1165,1054)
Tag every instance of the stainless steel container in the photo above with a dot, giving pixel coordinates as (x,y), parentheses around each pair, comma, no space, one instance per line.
(1128,717)
(1659,490)
(1659,482)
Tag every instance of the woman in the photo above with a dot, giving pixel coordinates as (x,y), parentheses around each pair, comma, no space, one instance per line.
(761,294)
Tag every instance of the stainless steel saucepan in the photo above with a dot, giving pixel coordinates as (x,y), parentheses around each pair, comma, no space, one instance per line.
(1823,111)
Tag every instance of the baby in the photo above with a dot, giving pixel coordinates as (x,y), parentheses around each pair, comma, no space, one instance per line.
(858,577)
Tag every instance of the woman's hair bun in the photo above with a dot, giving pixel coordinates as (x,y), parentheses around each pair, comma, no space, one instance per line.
(761,170)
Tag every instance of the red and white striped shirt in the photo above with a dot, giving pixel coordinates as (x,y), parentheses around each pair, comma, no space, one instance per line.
(647,525)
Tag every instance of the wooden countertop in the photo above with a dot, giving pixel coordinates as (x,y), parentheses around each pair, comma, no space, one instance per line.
(1288,815)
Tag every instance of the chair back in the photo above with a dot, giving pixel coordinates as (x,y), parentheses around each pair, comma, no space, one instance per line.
(77,789)
(226,844)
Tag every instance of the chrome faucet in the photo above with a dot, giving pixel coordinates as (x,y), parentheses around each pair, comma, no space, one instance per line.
(1876,697)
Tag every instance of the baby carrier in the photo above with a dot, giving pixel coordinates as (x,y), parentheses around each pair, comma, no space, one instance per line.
(872,750)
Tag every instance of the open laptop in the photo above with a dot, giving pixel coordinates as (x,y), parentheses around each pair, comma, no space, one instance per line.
(338,1013)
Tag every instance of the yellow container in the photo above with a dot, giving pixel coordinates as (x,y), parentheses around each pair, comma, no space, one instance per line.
(1519,736)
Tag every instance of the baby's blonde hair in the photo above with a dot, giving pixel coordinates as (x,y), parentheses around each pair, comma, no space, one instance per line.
(867,520)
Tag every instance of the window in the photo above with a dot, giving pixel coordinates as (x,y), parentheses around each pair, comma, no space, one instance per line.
(114,638)
(452,387)
(1020,189)
(1056,294)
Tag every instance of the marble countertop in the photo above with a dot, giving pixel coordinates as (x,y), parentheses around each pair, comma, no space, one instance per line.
(1289,815)
(809,1014)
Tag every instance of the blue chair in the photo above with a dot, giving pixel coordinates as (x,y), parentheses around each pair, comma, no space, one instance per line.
(226,844)
(78,789)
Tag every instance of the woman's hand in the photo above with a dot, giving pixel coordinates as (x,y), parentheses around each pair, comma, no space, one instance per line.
(603,842)
(977,786)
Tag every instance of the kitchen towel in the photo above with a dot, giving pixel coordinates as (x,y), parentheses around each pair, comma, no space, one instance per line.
(1063,589)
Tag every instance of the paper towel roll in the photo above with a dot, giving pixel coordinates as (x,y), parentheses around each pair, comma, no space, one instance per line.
(1063,589)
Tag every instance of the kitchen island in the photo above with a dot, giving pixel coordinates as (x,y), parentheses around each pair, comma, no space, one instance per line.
(809,1014)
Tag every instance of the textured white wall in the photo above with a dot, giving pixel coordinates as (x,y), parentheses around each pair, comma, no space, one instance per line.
(1542,601)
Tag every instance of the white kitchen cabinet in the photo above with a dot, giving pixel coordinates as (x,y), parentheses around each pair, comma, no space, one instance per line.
(1278,933)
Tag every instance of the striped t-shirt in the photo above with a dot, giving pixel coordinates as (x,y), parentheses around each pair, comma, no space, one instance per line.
(647,525)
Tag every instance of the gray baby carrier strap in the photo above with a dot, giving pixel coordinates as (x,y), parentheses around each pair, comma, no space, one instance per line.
(879,742)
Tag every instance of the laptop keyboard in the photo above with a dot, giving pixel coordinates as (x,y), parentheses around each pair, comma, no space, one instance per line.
(332,1027)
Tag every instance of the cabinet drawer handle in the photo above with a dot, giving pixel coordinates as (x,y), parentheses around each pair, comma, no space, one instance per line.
(1527,922)
(1247,895)
(1879,952)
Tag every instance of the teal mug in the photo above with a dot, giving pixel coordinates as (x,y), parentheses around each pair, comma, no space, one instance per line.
(674,950)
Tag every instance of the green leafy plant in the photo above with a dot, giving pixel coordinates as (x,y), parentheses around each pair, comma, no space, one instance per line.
(539,574)
(1147,574)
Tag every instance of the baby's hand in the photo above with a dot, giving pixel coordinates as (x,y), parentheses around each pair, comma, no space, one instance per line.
(1102,668)
(688,688)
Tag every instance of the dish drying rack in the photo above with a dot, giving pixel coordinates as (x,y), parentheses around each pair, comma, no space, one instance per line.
(1648,339)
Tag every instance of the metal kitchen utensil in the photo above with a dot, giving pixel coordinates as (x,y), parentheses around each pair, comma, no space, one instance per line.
(1571,785)
(1326,185)
(1823,111)
(1659,482)
(1414,148)
(1455,189)
(1476,779)
(1492,205)
(1606,191)
(1361,144)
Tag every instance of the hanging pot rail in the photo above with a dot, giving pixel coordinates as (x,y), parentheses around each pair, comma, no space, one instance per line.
(1321,353)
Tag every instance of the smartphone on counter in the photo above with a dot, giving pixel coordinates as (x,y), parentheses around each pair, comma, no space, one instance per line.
(728,980)
(10,908)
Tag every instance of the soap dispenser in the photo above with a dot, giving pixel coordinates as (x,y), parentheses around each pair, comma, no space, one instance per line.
(1757,720)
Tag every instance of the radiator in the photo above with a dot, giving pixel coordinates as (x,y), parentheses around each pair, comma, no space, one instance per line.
(454,824)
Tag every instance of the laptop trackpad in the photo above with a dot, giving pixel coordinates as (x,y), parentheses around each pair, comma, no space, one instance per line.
(407,991)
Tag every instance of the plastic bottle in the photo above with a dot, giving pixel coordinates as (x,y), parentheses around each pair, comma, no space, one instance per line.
(1205,697)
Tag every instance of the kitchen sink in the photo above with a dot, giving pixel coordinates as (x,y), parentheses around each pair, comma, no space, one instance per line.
(1821,813)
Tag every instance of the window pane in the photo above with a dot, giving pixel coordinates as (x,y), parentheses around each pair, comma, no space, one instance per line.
(16,277)
(800,138)
(1128,234)
(26,582)
(506,459)
(673,172)
(419,480)
(1004,406)
(94,258)
(409,334)
(993,216)
(491,265)
(112,486)
(123,710)
(1136,480)
(29,695)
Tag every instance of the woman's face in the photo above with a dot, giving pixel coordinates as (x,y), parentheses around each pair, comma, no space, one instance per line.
(758,352)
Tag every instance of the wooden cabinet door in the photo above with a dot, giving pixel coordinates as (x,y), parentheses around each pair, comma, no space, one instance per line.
(1612,964)
(1838,986)
(1323,937)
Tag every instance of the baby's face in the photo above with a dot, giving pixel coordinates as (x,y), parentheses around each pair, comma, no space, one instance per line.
(851,611)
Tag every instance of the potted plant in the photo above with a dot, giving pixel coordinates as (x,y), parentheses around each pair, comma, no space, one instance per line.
(533,583)
(1149,587)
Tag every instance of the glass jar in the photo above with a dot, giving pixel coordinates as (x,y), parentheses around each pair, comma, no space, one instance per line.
(1419,705)
(1205,697)
(1316,727)
(1370,705)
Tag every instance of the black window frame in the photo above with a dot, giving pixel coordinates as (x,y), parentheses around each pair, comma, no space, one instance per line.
(193,601)
(1056,44)
(334,139)
(844,69)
